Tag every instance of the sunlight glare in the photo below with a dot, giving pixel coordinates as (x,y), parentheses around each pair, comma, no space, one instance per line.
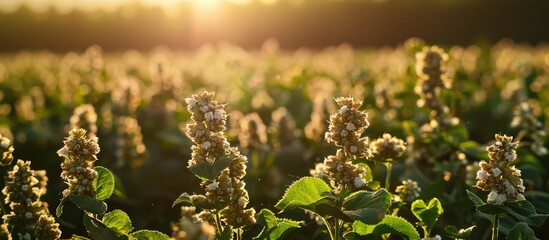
(170,6)
(206,6)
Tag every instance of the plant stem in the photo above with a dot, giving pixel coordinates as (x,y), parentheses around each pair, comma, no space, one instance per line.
(395,212)
(337,229)
(495,227)
(239,234)
(328,227)
(426,232)
(388,176)
(218,226)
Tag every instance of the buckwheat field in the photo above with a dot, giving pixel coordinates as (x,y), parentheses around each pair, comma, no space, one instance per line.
(414,141)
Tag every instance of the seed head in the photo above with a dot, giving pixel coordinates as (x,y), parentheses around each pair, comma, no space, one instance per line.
(387,148)
(408,191)
(6,148)
(80,154)
(499,175)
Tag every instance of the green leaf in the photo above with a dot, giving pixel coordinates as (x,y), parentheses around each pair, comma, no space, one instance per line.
(389,224)
(205,170)
(326,208)
(184,197)
(539,199)
(374,185)
(88,204)
(97,231)
(522,211)
(483,207)
(227,233)
(76,237)
(368,175)
(491,209)
(149,235)
(427,214)
(474,149)
(476,200)
(367,207)
(465,232)
(221,203)
(525,212)
(506,223)
(119,189)
(304,192)
(453,232)
(103,184)
(353,236)
(274,228)
(118,221)
(521,231)
(59,209)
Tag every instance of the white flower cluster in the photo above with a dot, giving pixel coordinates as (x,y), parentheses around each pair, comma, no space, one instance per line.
(498,176)
(408,191)
(496,198)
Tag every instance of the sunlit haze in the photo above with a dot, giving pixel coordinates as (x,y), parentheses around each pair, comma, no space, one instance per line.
(66,6)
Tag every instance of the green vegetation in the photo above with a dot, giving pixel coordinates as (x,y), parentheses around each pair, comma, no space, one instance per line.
(224,143)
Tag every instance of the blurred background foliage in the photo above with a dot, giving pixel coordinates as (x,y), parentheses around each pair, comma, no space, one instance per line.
(61,25)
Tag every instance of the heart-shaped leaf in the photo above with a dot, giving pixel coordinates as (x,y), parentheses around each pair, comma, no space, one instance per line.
(427,214)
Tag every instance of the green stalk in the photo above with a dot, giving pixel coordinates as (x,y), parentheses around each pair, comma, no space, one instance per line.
(389,166)
(426,232)
(218,227)
(337,229)
(328,227)
(395,211)
(238,234)
(495,227)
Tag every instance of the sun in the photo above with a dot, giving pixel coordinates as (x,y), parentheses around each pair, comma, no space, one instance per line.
(205,6)
(199,6)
